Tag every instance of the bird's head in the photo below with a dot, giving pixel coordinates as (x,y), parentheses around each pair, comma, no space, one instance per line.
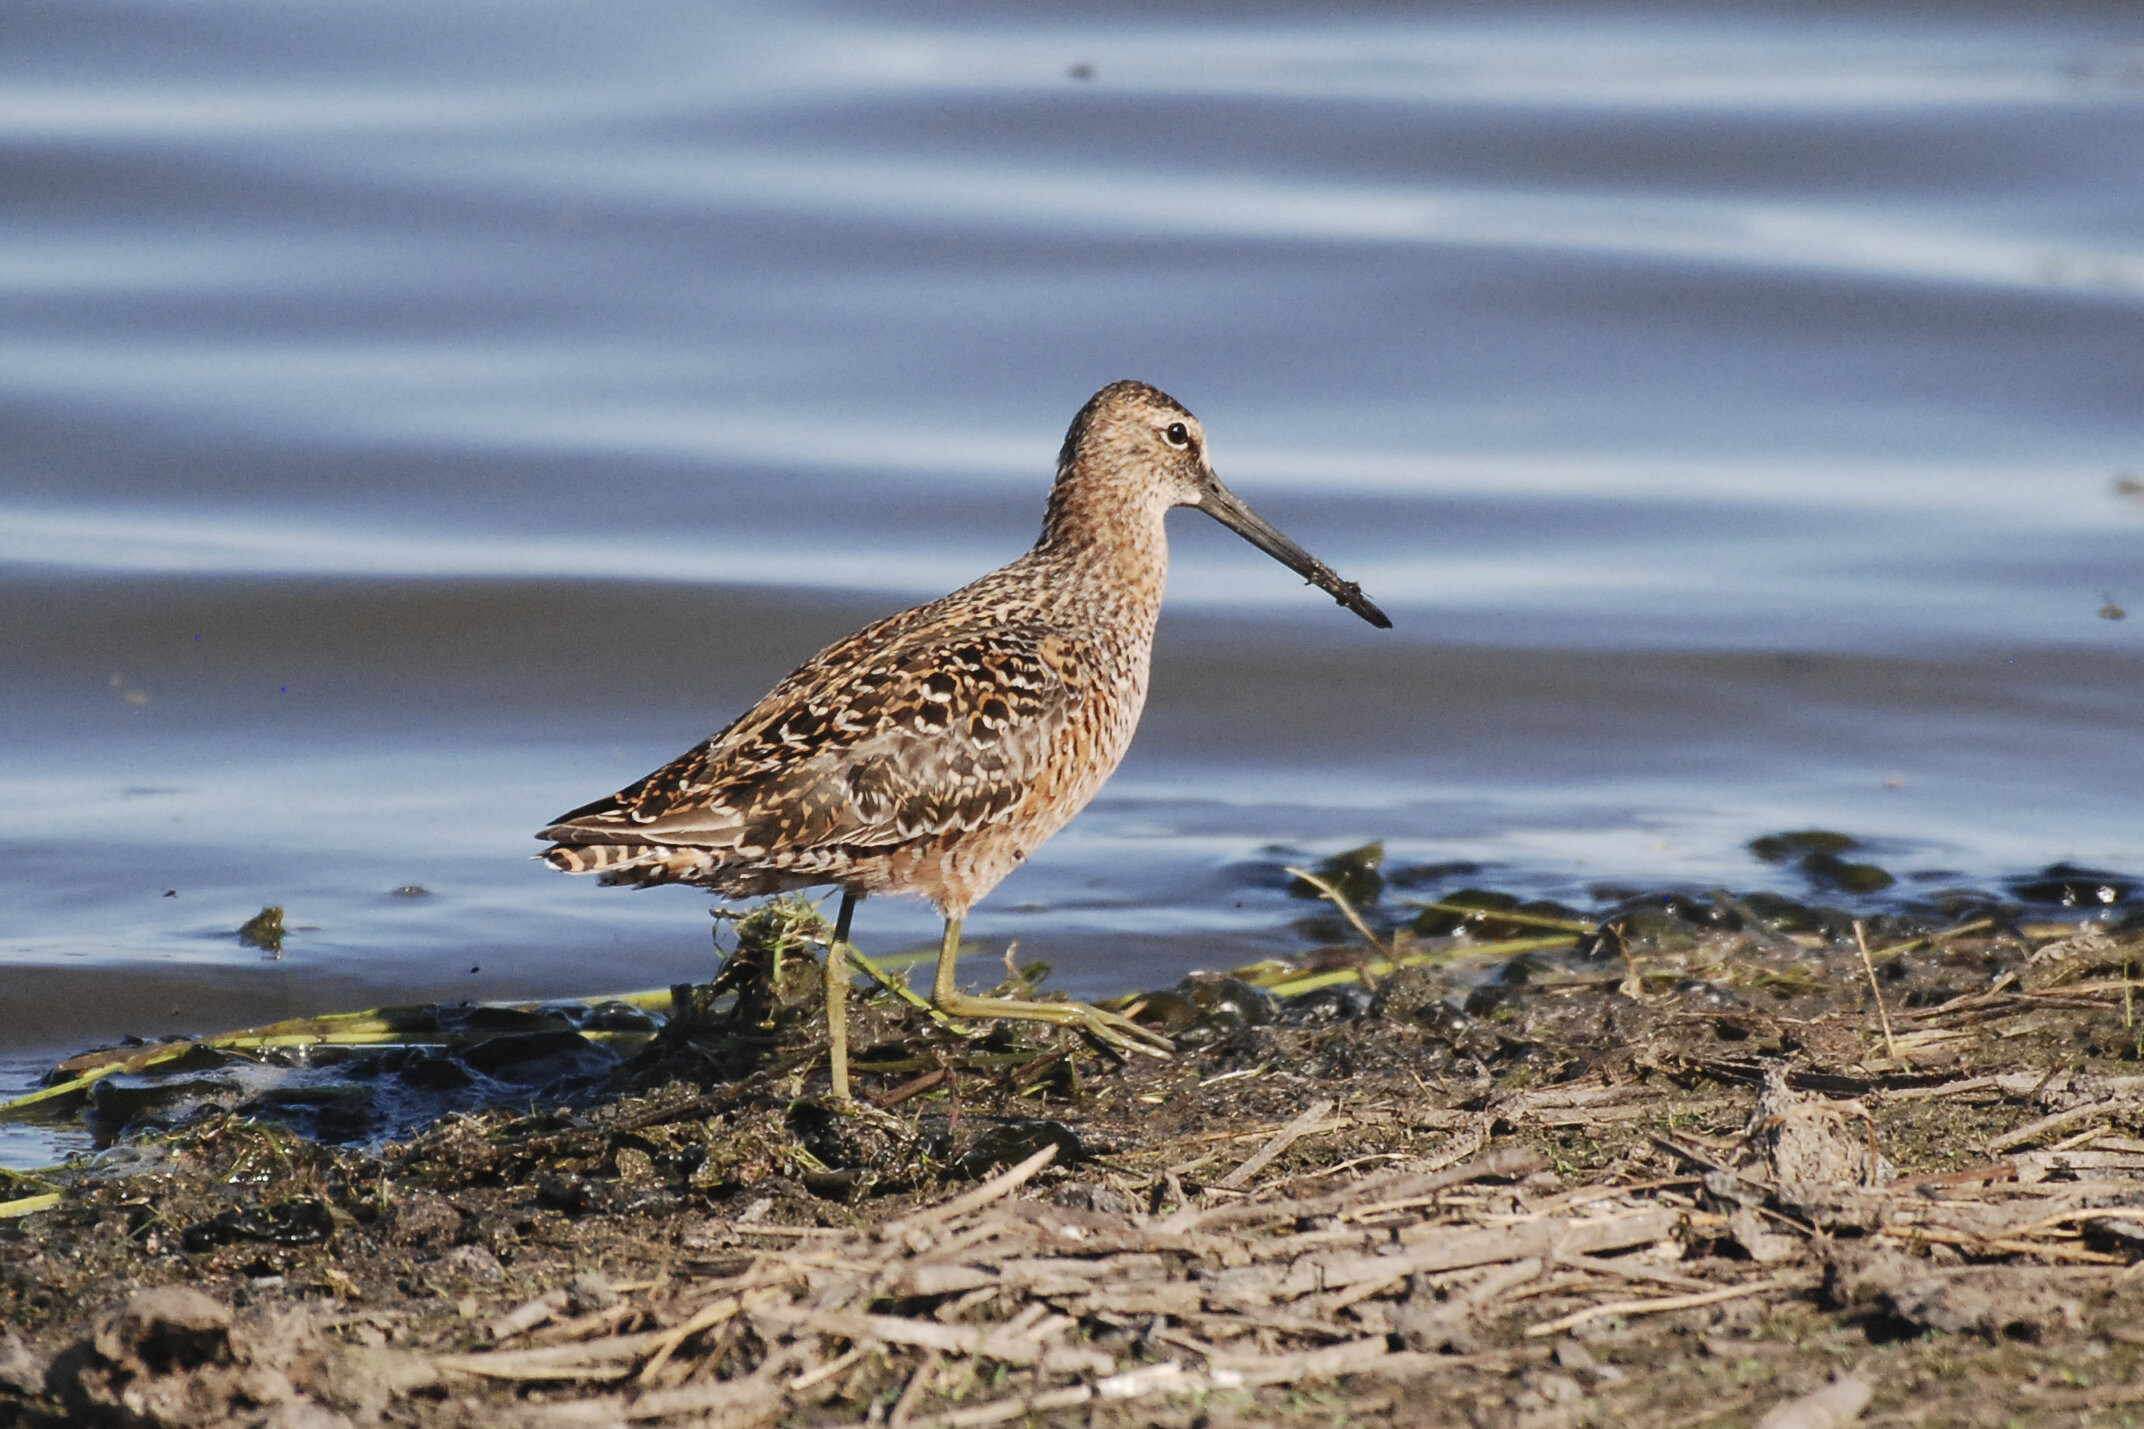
(1136,446)
(1140,441)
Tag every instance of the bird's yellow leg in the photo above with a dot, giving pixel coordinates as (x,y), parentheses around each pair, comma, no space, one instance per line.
(837,998)
(1119,1032)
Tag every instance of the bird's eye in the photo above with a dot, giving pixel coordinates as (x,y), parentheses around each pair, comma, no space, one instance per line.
(1178,435)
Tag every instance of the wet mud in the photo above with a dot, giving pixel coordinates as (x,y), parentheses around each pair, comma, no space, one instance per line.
(1686,1159)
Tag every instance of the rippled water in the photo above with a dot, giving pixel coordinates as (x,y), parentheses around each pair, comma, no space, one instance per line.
(420,419)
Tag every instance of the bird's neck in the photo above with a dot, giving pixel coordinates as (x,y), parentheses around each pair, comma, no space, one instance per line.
(1104,552)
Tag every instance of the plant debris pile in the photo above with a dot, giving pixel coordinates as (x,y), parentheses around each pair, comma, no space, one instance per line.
(1681,1168)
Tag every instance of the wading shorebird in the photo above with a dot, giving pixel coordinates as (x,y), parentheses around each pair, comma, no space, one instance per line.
(933,752)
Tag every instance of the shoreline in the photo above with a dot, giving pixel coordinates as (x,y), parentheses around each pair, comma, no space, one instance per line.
(1752,1170)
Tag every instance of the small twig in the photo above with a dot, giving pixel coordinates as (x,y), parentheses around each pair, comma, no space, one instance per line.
(527,1316)
(2076,1213)
(708,1316)
(998,1411)
(997,1186)
(1347,909)
(1977,925)
(914,1087)
(1890,1043)
(1654,1307)
(831,1368)
(1508,915)
(918,1385)
(1286,1137)
(1694,1154)
(2060,1121)
(1651,1274)
(610,1359)
(1295,985)
(1022,1080)
(1338,1167)
(1969,1176)
(1423,1190)
(2071,1143)
(2003,1245)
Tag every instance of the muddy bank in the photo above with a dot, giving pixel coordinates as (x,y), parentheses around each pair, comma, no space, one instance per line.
(1678,1174)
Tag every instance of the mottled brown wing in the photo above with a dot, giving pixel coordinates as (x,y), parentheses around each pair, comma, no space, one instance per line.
(935,730)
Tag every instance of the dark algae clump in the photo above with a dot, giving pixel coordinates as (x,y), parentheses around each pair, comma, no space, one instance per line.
(1675,1160)
(1819,854)
(264,930)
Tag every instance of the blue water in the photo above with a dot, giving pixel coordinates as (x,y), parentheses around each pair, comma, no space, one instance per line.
(422,418)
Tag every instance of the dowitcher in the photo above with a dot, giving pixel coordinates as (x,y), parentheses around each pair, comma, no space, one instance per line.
(933,752)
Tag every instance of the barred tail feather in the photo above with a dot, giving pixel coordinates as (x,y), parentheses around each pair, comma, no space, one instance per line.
(591,858)
(643,864)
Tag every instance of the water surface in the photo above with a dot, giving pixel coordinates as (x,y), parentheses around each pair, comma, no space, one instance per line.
(421,419)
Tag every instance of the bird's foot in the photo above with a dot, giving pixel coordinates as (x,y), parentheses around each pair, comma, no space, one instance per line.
(1120,1033)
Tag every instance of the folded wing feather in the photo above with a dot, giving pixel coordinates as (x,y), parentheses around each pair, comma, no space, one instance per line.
(943,731)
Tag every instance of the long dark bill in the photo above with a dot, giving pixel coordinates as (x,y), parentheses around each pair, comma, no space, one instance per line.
(1227,508)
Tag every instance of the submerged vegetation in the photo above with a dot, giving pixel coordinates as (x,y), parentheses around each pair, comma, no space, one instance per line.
(264,930)
(1674,1159)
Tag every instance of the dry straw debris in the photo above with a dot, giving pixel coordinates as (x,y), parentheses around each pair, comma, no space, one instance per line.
(1727,1182)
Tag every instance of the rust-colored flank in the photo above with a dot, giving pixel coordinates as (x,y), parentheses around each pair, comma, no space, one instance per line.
(934,751)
